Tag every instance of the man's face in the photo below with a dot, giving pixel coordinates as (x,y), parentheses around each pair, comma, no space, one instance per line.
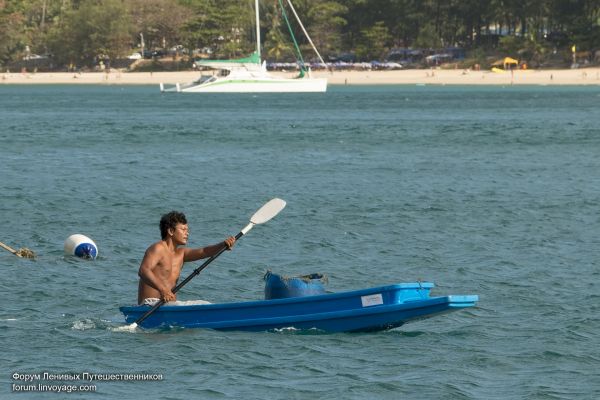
(181,233)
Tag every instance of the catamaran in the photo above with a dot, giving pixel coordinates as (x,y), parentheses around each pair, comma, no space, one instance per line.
(249,75)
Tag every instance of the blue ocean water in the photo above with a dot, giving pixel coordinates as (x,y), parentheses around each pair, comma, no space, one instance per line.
(492,191)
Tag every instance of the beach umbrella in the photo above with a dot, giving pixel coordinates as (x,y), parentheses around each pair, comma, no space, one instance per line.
(509,61)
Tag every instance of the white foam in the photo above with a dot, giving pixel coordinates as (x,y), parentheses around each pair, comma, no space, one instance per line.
(286,329)
(133,327)
(125,328)
(83,325)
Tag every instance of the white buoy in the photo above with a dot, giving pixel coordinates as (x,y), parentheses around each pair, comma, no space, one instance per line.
(81,246)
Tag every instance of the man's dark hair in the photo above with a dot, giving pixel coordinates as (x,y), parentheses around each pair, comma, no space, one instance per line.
(170,220)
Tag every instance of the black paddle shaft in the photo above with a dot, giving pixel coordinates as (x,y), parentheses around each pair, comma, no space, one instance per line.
(182,283)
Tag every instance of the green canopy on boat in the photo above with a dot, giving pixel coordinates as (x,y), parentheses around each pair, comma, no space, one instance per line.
(254,58)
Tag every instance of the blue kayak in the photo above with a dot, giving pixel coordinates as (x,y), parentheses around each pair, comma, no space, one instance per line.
(373,309)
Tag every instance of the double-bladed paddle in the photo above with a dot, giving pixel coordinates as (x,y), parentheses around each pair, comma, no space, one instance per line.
(264,214)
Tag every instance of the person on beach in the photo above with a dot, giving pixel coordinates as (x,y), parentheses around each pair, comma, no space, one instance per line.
(163,260)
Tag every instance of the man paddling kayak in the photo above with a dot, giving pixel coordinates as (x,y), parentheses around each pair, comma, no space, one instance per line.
(163,261)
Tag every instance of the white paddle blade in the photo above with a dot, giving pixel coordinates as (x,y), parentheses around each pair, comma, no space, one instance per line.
(268,211)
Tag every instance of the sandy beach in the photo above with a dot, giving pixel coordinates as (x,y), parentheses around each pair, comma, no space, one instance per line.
(583,76)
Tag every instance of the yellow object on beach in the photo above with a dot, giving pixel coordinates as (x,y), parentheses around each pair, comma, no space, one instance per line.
(498,70)
(506,62)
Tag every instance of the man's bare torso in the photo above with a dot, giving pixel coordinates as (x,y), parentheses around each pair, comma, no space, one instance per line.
(167,269)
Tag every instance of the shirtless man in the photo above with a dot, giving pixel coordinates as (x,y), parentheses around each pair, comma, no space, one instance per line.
(162,262)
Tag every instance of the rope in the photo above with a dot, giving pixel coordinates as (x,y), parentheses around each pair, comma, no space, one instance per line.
(23,252)
(306,33)
(298,52)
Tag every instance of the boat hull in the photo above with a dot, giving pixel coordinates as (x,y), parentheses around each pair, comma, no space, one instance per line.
(372,309)
(267,85)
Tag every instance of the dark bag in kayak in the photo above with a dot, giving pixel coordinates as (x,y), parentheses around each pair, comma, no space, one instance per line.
(281,287)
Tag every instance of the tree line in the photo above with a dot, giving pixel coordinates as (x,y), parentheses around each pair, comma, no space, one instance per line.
(77,32)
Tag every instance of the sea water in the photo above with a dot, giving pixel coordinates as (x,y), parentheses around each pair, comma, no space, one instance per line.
(492,191)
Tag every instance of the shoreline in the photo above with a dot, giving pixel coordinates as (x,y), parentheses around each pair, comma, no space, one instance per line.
(582,76)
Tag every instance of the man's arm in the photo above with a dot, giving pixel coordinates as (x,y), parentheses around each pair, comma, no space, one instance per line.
(147,275)
(208,251)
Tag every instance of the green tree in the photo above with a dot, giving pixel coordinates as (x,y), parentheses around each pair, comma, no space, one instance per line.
(374,43)
(581,19)
(325,23)
(95,28)
(277,45)
(428,37)
(79,30)
(12,34)
(224,26)
(159,21)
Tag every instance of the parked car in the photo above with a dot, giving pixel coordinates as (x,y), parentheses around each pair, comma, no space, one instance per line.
(34,57)
(158,53)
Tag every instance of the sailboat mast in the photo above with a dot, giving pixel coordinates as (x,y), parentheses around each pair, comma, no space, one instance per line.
(257,29)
